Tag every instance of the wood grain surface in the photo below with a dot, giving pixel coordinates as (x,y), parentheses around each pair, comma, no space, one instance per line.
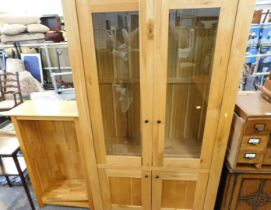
(45,109)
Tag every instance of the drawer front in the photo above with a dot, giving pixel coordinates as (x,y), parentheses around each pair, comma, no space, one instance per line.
(254,142)
(257,126)
(250,156)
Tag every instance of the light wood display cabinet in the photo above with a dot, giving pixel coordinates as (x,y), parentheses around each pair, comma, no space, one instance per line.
(156,84)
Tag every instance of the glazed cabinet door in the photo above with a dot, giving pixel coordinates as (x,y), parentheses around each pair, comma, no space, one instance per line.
(192,55)
(115,38)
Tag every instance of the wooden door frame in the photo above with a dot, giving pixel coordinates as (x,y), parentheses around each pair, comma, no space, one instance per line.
(220,65)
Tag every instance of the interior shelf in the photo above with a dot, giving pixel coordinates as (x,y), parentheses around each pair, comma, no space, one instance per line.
(175,148)
(124,147)
(171,80)
(66,191)
(117,81)
(194,79)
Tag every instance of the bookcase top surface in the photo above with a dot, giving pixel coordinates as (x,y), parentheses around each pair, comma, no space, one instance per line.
(42,108)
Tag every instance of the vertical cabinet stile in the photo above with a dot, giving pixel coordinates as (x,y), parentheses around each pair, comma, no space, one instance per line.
(146,77)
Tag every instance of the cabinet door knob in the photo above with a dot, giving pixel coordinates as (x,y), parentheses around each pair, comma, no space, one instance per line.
(158,121)
(146,176)
(146,121)
(157,177)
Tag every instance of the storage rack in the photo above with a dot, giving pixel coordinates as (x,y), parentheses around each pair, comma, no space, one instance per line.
(260,4)
(49,67)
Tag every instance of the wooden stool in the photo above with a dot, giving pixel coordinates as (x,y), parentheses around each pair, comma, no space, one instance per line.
(10,163)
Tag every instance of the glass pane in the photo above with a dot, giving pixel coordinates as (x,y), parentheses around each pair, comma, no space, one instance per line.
(192,35)
(117,51)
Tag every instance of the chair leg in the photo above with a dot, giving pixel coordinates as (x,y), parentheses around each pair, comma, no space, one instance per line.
(26,189)
(8,181)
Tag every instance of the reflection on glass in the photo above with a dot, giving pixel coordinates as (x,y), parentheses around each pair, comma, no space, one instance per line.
(192,35)
(116,38)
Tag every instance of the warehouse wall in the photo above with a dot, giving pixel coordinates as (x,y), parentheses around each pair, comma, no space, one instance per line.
(31,7)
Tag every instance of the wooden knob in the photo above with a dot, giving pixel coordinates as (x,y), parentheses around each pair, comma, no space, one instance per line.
(258,166)
(146,176)
(146,121)
(158,121)
(157,177)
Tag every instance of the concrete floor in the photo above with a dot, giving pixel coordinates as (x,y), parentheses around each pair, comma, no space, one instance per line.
(14,198)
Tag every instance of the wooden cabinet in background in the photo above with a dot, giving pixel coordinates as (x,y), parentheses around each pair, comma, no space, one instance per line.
(249,145)
(244,190)
(246,178)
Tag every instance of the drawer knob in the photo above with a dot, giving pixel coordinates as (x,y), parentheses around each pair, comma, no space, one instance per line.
(259,127)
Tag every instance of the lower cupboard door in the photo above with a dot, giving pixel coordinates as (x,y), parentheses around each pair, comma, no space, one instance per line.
(124,189)
(178,190)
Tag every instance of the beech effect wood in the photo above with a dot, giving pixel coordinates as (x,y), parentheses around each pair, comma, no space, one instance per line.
(238,48)
(154,179)
(149,178)
(51,151)
(83,124)
(45,109)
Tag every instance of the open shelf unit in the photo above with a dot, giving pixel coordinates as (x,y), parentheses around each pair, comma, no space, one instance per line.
(51,147)
(55,156)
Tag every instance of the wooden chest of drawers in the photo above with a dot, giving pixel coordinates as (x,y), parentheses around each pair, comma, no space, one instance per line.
(249,144)
(241,190)
(246,178)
